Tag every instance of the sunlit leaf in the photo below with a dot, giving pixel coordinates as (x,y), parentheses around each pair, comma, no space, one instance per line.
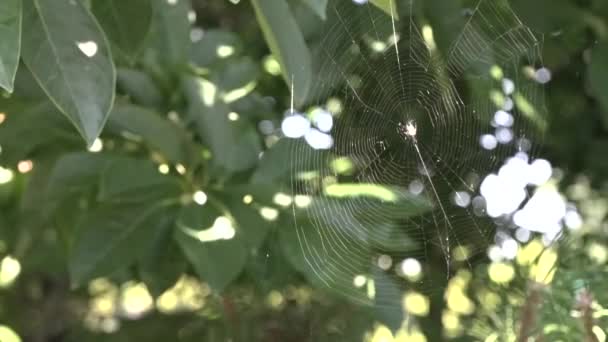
(126,23)
(287,44)
(10,42)
(212,244)
(68,55)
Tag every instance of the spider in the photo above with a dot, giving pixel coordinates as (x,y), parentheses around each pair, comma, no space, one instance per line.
(408,129)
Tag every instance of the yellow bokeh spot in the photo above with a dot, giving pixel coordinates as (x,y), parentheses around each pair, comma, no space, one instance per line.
(496,73)
(597,253)
(381,334)
(489,300)
(224,51)
(342,165)
(410,336)
(461,253)
(599,334)
(282,199)
(501,272)
(135,299)
(427,34)
(275,300)
(416,304)
(544,270)
(8,335)
(269,214)
(451,323)
(9,271)
(455,294)
(6,175)
(530,252)
(167,302)
(271,65)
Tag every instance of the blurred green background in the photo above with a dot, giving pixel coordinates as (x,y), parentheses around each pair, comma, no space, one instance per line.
(102,239)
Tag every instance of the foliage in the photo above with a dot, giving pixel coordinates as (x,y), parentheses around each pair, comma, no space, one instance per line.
(128,126)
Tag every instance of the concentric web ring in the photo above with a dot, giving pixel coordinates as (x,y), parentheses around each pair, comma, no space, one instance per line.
(396,186)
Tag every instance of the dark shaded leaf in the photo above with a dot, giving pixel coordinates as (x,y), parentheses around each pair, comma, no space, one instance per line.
(598,77)
(114,236)
(126,23)
(140,87)
(204,52)
(133,180)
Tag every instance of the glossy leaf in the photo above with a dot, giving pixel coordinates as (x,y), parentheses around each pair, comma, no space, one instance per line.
(10,42)
(126,23)
(212,244)
(287,44)
(66,51)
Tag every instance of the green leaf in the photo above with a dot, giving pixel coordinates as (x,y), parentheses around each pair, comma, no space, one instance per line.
(112,237)
(597,74)
(211,243)
(387,301)
(163,263)
(205,52)
(162,266)
(10,42)
(68,54)
(277,164)
(318,6)
(140,87)
(20,133)
(172,31)
(306,249)
(388,6)
(287,44)
(133,180)
(160,134)
(234,145)
(126,23)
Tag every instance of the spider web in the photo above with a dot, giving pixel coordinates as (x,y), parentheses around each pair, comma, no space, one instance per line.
(407,133)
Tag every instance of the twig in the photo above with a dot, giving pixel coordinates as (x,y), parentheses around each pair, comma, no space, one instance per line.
(584,299)
(529,312)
